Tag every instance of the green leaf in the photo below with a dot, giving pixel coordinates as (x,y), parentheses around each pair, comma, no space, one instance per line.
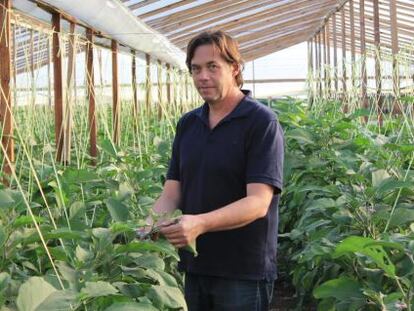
(167,296)
(4,280)
(378,177)
(150,261)
(159,246)
(76,209)
(76,176)
(125,191)
(163,147)
(167,279)
(6,200)
(118,228)
(131,306)
(104,237)
(300,135)
(341,288)
(3,237)
(367,247)
(102,233)
(68,273)
(27,220)
(360,113)
(401,216)
(98,289)
(65,233)
(133,290)
(32,293)
(401,147)
(61,300)
(82,254)
(390,184)
(145,201)
(327,305)
(191,248)
(108,148)
(118,210)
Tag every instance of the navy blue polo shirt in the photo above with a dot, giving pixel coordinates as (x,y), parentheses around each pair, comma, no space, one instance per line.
(214,167)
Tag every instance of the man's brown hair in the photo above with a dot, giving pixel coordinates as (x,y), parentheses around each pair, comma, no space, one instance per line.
(227,46)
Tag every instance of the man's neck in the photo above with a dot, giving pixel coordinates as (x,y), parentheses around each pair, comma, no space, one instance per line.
(221,108)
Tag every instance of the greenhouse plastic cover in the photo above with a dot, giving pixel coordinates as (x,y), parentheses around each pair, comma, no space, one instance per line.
(116,21)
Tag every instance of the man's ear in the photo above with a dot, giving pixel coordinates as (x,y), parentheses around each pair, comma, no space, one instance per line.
(236,69)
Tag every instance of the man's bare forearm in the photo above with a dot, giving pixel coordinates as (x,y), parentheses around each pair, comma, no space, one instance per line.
(169,198)
(164,205)
(235,215)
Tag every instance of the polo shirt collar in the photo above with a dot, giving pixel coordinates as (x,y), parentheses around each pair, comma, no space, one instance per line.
(241,110)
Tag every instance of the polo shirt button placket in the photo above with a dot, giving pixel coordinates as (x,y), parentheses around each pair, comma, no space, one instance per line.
(210,137)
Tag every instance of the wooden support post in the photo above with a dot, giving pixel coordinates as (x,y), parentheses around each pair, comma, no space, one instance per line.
(49,72)
(364,80)
(58,85)
(310,72)
(160,86)
(134,86)
(316,65)
(324,63)
(116,109)
(344,87)
(395,50)
(335,53)
(169,84)
(14,68)
(32,69)
(5,97)
(328,59)
(378,78)
(67,116)
(319,66)
(352,25)
(148,83)
(90,80)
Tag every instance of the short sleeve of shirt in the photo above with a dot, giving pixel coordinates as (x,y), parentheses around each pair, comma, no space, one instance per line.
(174,166)
(265,155)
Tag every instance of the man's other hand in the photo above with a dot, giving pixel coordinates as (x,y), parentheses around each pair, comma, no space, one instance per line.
(185,231)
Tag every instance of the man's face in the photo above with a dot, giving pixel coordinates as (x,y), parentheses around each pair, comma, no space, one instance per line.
(212,75)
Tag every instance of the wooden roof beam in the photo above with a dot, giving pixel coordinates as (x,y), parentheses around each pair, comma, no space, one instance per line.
(141,4)
(195,11)
(248,46)
(223,12)
(248,56)
(301,13)
(166,8)
(294,25)
(198,27)
(280,24)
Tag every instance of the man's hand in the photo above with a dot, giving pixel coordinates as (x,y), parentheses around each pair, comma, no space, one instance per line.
(185,231)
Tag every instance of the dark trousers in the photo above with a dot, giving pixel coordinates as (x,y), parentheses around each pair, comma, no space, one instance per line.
(206,293)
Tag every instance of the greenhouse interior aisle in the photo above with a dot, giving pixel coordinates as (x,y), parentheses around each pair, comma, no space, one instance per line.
(91,93)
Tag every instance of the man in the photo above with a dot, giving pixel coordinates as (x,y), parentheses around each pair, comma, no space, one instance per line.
(225,175)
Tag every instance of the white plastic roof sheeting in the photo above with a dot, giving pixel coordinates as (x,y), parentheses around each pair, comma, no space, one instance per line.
(110,17)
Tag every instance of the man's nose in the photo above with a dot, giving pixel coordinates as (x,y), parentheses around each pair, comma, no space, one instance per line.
(203,74)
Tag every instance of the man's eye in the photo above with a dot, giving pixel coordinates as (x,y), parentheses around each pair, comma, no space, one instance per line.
(212,66)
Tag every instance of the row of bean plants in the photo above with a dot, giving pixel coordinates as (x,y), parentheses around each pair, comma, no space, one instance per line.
(347,212)
(67,231)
